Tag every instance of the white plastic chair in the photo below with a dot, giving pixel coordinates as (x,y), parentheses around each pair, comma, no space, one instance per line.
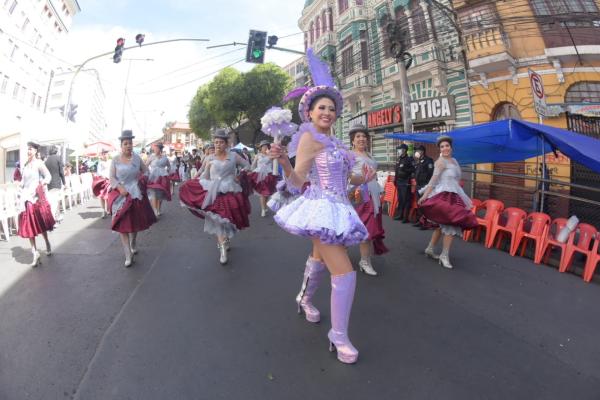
(9,209)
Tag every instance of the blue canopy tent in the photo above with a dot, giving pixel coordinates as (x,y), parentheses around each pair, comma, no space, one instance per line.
(513,140)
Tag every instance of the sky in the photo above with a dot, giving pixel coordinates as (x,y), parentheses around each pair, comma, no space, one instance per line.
(161,90)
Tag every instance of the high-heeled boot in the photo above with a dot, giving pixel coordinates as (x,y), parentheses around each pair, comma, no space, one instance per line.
(313,273)
(342,295)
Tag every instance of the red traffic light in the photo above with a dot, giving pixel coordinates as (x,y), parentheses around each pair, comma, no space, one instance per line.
(120,42)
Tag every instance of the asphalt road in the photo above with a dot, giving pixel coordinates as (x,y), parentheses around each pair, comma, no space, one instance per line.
(178,325)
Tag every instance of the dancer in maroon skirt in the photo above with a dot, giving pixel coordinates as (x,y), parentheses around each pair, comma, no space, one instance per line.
(217,197)
(262,178)
(367,200)
(159,185)
(445,203)
(127,200)
(101,184)
(37,216)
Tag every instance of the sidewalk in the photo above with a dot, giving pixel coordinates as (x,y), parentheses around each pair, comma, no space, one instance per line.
(180,326)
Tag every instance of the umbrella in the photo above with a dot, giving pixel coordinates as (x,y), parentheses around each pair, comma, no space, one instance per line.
(95,149)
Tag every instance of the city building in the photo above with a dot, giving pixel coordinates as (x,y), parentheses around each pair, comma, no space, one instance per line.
(353,36)
(559,41)
(29,33)
(87,104)
(297,71)
(178,136)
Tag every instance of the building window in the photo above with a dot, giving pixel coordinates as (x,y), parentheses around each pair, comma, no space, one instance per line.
(38,103)
(14,52)
(16,91)
(12,7)
(360,2)
(33,97)
(347,61)
(330,12)
(342,6)
(5,80)
(364,51)
(557,7)
(478,18)
(421,33)
(584,92)
(25,24)
(324,22)
(318,26)
(312,33)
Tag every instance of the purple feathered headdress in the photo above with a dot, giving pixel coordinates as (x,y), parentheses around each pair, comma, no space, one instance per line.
(319,72)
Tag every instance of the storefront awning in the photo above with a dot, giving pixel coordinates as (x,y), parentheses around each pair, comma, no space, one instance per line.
(513,140)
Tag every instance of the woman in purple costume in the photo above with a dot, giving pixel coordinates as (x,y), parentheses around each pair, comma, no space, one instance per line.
(445,202)
(323,212)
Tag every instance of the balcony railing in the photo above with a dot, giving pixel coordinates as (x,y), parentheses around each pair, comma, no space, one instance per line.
(486,41)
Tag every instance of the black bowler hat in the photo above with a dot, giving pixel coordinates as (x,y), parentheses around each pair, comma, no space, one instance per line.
(127,134)
(33,145)
(420,148)
(221,134)
(358,128)
(402,146)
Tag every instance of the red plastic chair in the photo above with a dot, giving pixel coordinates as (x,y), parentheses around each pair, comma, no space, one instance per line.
(535,229)
(550,243)
(492,208)
(509,222)
(585,234)
(592,261)
(390,196)
(468,232)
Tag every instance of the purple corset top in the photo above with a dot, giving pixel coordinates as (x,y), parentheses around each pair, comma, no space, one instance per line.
(329,176)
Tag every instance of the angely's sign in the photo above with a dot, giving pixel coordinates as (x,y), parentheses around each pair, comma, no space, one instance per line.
(385,117)
(434,109)
(425,110)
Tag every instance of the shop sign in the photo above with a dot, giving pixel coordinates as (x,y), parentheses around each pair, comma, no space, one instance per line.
(360,119)
(434,109)
(425,110)
(385,117)
(587,110)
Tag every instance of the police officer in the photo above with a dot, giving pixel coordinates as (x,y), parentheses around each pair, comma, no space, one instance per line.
(404,171)
(423,173)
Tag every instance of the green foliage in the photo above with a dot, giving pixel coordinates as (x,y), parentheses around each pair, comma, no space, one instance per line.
(233,97)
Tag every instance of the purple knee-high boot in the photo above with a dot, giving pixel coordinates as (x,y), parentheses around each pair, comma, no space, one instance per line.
(313,273)
(342,294)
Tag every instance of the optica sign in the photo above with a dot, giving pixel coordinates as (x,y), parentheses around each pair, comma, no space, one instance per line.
(425,110)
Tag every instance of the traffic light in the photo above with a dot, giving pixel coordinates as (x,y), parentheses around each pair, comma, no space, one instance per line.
(139,38)
(119,50)
(255,52)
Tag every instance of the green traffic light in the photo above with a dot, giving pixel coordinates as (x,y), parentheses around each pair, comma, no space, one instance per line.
(257,53)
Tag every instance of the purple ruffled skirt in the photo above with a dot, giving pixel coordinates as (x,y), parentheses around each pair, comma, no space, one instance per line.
(329,221)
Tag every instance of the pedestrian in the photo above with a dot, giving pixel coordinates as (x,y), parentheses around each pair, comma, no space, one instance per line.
(217,197)
(57,182)
(182,169)
(262,178)
(159,186)
(367,200)
(403,174)
(323,212)
(128,201)
(423,174)
(101,182)
(17,174)
(247,155)
(444,202)
(37,218)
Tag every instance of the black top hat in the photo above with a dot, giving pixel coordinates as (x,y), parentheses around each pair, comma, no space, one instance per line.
(358,128)
(127,134)
(33,145)
(221,134)
(444,138)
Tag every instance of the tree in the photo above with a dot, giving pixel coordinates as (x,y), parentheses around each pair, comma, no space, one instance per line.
(200,116)
(233,97)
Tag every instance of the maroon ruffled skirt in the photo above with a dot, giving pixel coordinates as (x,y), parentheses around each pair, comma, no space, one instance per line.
(175,177)
(37,217)
(267,186)
(374,225)
(447,208)
(233,206)
(101,187)
(135,215)
(164,185)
